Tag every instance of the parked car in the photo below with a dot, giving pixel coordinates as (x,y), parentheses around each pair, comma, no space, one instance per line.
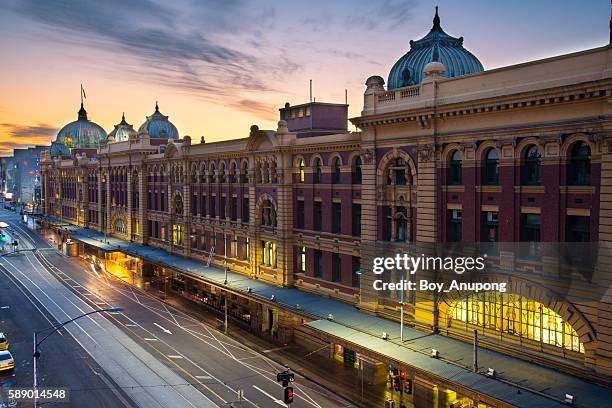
(6,360)
(4,344)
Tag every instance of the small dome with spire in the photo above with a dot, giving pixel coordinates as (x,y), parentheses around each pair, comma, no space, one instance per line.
(158,126)
(122,131)
(436,46)
(82,133)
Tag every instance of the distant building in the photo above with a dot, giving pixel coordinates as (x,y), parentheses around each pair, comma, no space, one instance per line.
(20,175)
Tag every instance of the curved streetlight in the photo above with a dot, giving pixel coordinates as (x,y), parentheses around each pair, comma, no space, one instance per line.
(36,353)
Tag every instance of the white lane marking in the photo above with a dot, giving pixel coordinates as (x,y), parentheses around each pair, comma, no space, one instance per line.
(203,377)
(149,339)
(279,402)
(5,307)
(96,344)
(174,356)
(199,336)
(163,329)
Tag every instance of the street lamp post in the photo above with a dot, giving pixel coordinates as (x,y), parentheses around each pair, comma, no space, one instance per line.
(36,351)
(225,283)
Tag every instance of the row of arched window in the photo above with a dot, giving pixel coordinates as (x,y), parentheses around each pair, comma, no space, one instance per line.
(578,166)
(336,170)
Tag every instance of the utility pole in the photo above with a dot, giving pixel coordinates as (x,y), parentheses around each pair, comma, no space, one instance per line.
(475,361)
(402,311)
(34,371)
(226,312)
(53,329)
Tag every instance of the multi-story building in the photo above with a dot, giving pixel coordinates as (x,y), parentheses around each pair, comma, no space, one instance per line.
(20,175)
(447,152)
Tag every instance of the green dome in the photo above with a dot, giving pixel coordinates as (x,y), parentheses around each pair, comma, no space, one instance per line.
(82,133)
(435,46)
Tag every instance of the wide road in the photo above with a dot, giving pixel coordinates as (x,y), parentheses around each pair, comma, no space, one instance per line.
(63,362)
(214,363)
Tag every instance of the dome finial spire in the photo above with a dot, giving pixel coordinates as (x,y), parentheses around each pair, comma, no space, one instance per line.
(156,107)
(436,19)
(82,111)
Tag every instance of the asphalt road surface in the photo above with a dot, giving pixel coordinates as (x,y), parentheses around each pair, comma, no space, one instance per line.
(213,363)
(62,363)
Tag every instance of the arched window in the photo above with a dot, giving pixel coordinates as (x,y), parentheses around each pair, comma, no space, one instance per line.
(120,226)
(518,316)
(317,177)
(336,170)
(221,175)
(232,174)
(491,168)
(397,173)
(531,166)
(268,214)
(455,169)
(300,166)
(579,169)
(356,171)
(244,172)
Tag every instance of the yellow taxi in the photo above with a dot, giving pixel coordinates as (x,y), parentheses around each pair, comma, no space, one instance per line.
(4,344)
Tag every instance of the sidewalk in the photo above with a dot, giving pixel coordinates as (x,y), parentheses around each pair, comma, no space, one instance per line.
(537,385)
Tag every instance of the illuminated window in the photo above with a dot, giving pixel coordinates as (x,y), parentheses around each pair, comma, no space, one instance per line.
(177,234)
(120,226)
(300,166)
(268,253)
(303,259)
(517,316)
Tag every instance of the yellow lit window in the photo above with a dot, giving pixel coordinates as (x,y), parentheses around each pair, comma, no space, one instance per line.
(177,234)
(518,316)
(300,166)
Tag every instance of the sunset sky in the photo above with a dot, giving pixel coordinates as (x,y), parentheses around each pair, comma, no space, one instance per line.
(217,67)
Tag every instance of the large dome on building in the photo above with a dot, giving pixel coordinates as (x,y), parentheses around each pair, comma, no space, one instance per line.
(435,46)
(82,133)
(158,126)
(122,130)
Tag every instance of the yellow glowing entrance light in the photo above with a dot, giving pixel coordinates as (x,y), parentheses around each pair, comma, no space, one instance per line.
(518,316)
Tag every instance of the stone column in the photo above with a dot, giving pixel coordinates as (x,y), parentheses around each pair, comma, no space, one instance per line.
(425,307)
(143,195)
(284,197)
(108,224)
(369,220)
(101,226)
(129,202)
(254,245)
(187,208)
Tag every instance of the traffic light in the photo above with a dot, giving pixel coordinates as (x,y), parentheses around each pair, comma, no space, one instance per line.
(408,386)
(396,383)
(288,395)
